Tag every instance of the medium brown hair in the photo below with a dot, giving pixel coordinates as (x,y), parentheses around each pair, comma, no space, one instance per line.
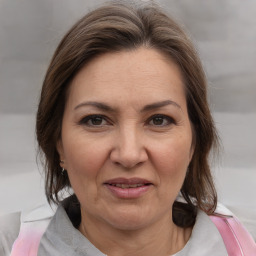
(116,27)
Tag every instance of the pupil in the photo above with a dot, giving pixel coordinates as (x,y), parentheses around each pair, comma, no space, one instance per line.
(96,120)
(158,121)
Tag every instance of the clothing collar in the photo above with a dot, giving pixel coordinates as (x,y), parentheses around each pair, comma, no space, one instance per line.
(63,239)
(205,239)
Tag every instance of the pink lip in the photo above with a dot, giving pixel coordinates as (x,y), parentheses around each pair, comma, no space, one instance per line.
(128,193)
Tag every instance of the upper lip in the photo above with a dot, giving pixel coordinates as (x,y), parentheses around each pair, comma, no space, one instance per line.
(130,181)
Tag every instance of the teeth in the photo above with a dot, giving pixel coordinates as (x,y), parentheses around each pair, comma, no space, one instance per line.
(136,185)
(127,185)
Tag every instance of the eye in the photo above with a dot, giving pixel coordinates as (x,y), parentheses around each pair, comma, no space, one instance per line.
(94,120)
(160,120)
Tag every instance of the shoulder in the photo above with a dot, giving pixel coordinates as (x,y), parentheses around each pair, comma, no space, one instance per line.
(236,238)
(205,239)
(20,233)
(33,225)
(227,235)
(9,230)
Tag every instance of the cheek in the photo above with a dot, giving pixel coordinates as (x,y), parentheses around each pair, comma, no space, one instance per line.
(172,158)
(83,156)
(84,165)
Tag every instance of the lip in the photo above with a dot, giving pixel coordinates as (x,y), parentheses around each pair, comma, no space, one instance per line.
(130,181)
(128,193)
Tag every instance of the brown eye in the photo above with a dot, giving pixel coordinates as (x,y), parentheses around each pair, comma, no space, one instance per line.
(160,120)
(94,120)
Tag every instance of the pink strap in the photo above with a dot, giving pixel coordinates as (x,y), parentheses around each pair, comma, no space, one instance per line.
(237,240)
(29,238)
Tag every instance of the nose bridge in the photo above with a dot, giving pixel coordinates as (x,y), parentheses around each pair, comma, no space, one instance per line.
(129,150)
(129,139)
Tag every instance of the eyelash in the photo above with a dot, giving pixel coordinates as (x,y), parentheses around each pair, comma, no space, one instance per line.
(89,118)
(169,120)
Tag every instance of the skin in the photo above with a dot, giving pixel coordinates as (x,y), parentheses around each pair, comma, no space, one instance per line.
(126,139)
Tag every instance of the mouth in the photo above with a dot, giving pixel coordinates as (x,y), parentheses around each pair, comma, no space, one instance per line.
(128,188)
(129,185)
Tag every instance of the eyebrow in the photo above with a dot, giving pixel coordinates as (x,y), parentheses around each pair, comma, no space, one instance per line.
(146,108)
(96,104)
(159,105)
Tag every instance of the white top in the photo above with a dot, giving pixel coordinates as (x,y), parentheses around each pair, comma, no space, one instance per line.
(61,238)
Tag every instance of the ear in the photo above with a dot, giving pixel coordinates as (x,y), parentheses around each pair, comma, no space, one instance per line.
(192,150)
(193,143)
(59,147)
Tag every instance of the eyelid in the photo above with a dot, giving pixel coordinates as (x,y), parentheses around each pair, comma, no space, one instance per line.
(170,119)
(85,119)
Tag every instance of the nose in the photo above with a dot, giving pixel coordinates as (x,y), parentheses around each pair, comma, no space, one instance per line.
(129,148)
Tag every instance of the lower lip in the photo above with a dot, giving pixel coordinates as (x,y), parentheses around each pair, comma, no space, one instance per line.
(128,193)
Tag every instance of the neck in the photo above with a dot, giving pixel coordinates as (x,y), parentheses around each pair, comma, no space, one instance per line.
(160,238)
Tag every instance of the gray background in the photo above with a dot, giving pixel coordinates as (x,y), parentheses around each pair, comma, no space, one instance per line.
(224,33)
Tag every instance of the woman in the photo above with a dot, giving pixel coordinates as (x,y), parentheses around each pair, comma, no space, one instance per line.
(124,122)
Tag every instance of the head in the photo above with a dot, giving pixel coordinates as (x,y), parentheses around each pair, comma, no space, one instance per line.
(114,29)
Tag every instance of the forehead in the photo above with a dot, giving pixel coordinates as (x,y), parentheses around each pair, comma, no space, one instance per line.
(133,76)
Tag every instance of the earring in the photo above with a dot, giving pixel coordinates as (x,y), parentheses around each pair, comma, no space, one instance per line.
(63,170)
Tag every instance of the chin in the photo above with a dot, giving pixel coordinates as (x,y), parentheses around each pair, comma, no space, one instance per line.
(128,224)
(129,219)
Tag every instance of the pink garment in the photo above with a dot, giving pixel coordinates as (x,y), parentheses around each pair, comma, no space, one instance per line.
(29,238)
(237,240)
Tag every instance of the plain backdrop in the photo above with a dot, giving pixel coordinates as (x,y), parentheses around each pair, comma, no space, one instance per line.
(224,33)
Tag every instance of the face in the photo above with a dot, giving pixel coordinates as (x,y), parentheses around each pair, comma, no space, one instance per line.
(126,138)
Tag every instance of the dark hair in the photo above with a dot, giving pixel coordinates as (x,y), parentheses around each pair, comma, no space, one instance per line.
(115,27)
